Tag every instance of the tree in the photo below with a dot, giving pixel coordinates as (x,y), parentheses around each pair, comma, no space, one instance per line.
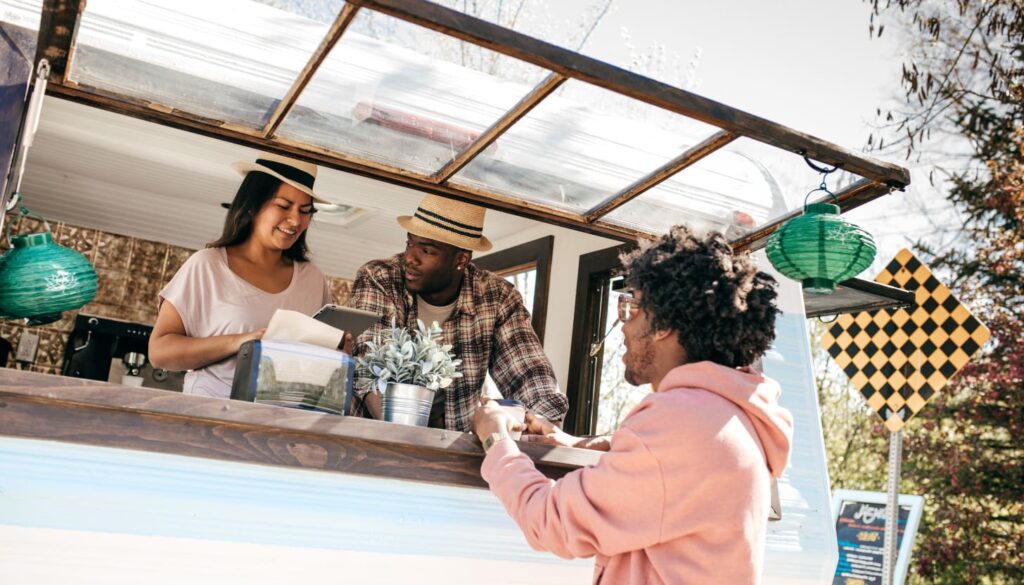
(963,95)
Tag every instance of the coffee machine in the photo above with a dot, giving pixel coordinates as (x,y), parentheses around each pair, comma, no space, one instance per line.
(101,348)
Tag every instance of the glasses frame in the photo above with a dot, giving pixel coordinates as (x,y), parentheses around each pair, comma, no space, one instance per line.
(628,305)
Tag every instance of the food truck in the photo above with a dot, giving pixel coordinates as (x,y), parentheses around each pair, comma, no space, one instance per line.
(147,103)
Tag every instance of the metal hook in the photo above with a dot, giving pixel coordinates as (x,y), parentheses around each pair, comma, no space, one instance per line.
(822,169)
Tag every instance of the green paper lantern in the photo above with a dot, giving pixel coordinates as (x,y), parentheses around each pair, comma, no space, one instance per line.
(820,248)
(40,279)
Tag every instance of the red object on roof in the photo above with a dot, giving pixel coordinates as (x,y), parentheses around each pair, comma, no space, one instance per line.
(414,124)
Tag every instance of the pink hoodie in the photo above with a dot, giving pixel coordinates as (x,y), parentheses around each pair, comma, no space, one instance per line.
(683,495)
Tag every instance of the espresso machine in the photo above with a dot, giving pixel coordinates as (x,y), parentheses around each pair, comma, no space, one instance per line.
(101,348)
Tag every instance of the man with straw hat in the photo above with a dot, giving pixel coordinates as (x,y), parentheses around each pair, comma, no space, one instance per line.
(481,314)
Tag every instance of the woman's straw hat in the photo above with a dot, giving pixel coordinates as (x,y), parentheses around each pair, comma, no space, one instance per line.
(449,221)
(298,174)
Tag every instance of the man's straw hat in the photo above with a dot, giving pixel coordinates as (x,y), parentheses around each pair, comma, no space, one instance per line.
(449,221)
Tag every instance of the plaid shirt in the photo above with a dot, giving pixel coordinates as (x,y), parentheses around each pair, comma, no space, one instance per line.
(489,329)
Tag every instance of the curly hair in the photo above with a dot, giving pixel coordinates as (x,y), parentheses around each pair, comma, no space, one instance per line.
(721,305)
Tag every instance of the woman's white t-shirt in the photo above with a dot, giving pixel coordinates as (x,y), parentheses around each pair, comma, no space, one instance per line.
(213,300)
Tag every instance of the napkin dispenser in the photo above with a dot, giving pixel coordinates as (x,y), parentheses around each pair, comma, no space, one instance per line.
(294,374)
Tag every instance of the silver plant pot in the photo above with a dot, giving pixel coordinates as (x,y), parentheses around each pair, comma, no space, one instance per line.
(407,404)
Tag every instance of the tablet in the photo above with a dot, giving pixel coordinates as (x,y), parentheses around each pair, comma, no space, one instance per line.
(349,320)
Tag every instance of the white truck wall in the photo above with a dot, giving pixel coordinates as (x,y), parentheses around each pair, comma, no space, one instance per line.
(801,548)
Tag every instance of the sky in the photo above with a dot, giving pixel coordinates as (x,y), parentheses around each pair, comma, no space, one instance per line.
(807,64)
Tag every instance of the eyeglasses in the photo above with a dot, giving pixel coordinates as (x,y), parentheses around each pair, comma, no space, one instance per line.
(628,307)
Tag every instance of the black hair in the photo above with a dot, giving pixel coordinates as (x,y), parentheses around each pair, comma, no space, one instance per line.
(256,189)
(721,306)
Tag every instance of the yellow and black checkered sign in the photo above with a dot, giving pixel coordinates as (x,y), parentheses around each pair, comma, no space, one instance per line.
(899,358)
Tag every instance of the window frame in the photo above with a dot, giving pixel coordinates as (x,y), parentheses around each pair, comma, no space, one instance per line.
(593,289)
(531,255)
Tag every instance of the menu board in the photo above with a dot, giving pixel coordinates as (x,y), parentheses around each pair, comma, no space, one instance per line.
(860,533)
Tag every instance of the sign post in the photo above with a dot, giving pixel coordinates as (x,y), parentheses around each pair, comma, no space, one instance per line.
(899,359)
(891,516)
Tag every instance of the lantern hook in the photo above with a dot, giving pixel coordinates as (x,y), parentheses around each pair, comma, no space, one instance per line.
(823,186)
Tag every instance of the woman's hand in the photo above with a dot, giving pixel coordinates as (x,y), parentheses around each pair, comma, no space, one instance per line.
(250,336)
(490,418)
(171,348)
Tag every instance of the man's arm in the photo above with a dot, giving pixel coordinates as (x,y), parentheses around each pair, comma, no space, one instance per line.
(370,292)
(518,364)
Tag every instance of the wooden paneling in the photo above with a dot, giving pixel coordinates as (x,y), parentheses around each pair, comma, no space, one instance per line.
(84,411)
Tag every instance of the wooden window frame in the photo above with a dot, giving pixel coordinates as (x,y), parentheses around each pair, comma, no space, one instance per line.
(593,289)
(533,255)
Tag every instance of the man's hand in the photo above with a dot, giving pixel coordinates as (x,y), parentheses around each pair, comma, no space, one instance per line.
(490,418)
(541,430)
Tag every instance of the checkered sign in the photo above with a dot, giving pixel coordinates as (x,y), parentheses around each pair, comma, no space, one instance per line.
(899,358)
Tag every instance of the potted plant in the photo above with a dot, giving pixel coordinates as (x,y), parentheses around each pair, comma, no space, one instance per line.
(407,369)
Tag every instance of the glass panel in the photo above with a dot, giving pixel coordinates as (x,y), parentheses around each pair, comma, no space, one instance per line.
(579,147)
(732,191)
(526,283)
(616,396)
(404,95)
(229,60)
(20,22)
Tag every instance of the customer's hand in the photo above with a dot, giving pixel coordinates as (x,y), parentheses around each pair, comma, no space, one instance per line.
(541,430)
(490,418)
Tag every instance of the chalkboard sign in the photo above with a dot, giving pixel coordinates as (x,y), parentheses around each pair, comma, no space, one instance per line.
(860,533)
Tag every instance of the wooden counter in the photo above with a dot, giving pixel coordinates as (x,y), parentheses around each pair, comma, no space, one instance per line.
(74,410)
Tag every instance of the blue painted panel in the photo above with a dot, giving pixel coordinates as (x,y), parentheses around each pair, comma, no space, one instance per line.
(76,487)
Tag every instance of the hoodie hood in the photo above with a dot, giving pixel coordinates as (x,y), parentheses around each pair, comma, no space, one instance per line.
(755,394)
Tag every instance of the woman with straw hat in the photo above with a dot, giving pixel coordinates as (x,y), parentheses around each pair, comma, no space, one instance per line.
(225,294)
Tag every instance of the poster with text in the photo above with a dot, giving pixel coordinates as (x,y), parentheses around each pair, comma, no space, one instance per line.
(860,533)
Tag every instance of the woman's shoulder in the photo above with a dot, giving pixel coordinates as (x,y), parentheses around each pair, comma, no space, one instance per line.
(206,257)
(203,260)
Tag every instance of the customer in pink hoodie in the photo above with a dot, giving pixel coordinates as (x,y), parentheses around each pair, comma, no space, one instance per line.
(682,496)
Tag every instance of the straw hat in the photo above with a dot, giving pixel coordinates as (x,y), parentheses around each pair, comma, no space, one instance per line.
(449,221)
(298,174)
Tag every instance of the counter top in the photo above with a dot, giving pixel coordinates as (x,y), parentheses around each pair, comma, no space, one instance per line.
(74,410)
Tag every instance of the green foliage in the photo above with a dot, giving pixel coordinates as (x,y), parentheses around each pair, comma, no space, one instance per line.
(418,358)
(963,85)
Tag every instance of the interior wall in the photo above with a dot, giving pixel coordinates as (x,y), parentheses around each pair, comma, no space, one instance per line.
(568,246)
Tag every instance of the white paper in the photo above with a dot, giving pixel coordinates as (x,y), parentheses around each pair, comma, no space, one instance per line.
(295,326)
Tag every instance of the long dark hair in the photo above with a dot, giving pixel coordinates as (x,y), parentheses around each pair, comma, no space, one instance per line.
(256,189)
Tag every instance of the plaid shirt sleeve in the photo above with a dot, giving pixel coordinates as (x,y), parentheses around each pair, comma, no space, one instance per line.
(372,291)
(518,364)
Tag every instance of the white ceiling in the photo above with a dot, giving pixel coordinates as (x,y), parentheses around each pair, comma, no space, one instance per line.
(118,174)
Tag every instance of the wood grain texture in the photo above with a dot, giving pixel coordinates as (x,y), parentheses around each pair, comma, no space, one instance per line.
(58,30)
(58,408)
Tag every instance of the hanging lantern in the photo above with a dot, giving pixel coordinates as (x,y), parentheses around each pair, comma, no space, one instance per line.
(40,279)
(820,248)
